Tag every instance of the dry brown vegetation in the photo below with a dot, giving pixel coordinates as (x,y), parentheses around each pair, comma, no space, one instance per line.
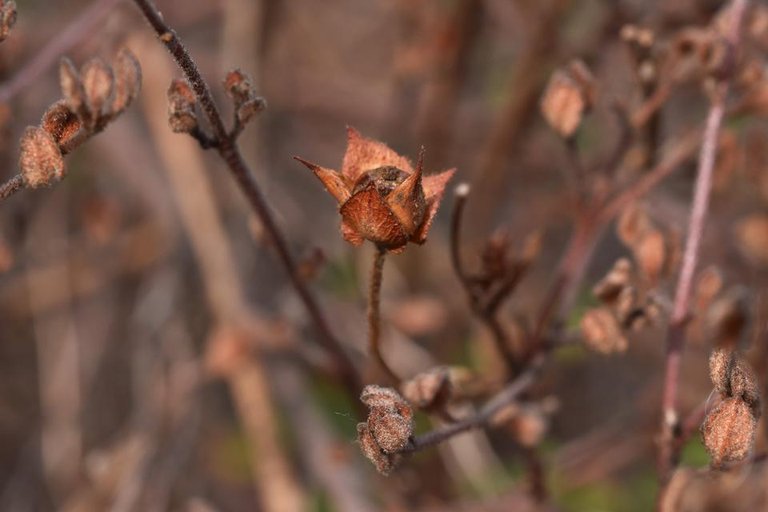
(554,214)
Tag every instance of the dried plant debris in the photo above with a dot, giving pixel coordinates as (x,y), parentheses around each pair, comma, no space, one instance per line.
(388,429)
(729,429)
(7,18)
(569,95)
(382,197)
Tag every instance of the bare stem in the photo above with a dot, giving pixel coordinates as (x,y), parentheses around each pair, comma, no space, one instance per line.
(230,153)
(670,426)
(11,186)
(374,314)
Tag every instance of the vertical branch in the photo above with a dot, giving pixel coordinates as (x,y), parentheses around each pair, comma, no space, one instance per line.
(680,310)
(374,314)
(230,153)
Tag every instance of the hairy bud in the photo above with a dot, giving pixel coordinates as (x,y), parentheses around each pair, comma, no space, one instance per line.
(72,88)
(181,107)
(61,123)
(41,161)
(127,73)
(98,81)
(429,389)
(389,426)
(729,431)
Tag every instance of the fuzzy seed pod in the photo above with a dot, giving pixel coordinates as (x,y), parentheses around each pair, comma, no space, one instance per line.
(569,95)
(729,431)
(41,161)
(428,389)
(719,368)
(391,430)
(7,17)
(127,80)
(383,462)
(98,82)
(61,123)
(181,107)
(389,426)
(602,332)
(72,88)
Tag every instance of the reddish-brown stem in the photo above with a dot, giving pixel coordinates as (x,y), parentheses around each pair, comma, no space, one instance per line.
(670,427)
(374,315)
(230,153)
(11,186)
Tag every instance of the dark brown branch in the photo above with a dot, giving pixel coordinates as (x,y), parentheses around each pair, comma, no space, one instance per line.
(230,153)
(11,186)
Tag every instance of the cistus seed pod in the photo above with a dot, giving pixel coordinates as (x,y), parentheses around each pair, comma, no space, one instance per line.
(41,162)
(181,107)
(388,429)
(382,197)
(7,17)
(569,95)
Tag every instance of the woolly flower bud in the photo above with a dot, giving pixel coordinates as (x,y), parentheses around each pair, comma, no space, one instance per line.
(387,430)
(41,161)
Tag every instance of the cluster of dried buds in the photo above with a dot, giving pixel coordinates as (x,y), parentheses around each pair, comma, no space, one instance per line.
(388,429)
(7,17)
(729,429)
(569,96)
(92,98)
(382,198)
(183,106)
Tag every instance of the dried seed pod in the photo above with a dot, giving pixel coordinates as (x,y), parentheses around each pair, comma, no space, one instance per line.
(72,89)
(61,123)
(41,161)
(391,430)
(238,87)
(719,368)
(127,80)
(181,107)
(651,254)
(379,396)
(570,93)
(729,431)
(602,332)
(429,389)
(383,462)
(610,286)
(250,109)
(7,17)
(98,82)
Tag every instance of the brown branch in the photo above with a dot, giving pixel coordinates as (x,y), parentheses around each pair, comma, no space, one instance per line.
(374,314)
(12,186)
(670,427)
(230,153)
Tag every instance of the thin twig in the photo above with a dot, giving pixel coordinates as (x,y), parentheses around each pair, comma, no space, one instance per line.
(374,314)
(482,419)
(230,153)
(11,186)
(681,306)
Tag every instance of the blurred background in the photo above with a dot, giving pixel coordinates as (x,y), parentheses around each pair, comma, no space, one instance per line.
(153,355)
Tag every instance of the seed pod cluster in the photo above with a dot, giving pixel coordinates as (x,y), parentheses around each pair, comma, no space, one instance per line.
(240,90)
(729,429)
(387,430)
(92,97)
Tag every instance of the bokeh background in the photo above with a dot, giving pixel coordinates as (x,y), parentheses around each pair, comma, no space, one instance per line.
(118,284)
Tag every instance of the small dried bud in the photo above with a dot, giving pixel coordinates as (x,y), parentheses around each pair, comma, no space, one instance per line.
(602,332)
(41,161)
(238,87)
(494,255)
(610,286)
(729,431)
(384,462)
(569,95)
(61,123)
(127,80)
(651,254)
(429,389)
(7,17)
(181,107)
(98,81)
(719,368)
(72,88)
(250,108)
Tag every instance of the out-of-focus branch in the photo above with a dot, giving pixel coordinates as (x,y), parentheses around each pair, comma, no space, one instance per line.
(227,148)
(670,427)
